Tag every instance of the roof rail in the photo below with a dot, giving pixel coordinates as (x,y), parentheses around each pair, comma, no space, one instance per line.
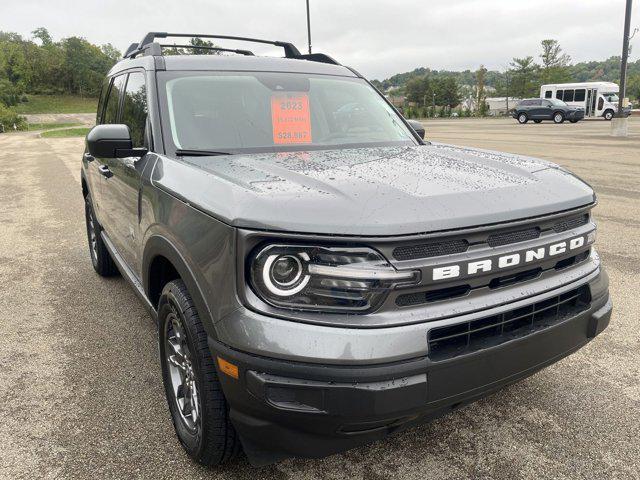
(290,51)
(150,47)
(216,49)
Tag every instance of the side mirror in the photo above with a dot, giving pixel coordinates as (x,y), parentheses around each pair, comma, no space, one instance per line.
(112,141)
(417,127)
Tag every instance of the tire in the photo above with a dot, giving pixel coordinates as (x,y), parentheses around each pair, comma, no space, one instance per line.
(573,121)
(537,121)
(608,115)
(101,259)
(558,117)
(209,438)
(523,118)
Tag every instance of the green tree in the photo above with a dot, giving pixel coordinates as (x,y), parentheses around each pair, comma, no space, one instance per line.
(555,63)
(43,35)
(633,87)
(524,77)
(481,96)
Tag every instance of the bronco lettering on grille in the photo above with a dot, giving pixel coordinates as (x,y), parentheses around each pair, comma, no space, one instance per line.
(510,260)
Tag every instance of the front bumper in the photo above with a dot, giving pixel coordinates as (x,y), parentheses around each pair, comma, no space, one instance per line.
(284,408)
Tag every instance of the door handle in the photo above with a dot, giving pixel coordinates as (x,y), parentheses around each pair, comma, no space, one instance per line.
(104,171)
(88,157)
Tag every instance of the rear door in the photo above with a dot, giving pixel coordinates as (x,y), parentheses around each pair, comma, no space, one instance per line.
(123,187)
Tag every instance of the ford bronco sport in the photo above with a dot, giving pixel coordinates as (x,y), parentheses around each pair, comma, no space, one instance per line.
(322,277)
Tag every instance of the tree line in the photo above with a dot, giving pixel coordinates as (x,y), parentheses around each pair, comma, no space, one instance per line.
(522,78)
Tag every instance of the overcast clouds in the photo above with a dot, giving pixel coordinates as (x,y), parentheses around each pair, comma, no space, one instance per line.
(379,38)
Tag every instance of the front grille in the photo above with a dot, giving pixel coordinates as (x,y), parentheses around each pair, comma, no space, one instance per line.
(427,250)
(499,239)
(570,223)
(463,338)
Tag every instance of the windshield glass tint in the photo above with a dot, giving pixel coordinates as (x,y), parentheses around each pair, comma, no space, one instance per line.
(240,112)
(611,97)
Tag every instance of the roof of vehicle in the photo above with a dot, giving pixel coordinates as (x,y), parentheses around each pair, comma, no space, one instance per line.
(581,84)
(232,63)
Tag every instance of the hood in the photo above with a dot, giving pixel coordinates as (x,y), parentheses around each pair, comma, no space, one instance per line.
(372,191)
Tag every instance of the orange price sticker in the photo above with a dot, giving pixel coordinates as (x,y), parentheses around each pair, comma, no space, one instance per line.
(291,119)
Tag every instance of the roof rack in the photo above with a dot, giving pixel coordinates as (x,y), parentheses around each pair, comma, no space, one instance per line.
(148,46)
(204,47)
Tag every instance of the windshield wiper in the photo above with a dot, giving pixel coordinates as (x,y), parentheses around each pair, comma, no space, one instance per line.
(199,153)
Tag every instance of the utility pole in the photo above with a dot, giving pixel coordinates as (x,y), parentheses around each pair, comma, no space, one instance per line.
(625,56)
(619,127)
(309,27)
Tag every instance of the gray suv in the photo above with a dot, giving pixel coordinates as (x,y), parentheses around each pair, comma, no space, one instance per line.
(539,109)
(322,277)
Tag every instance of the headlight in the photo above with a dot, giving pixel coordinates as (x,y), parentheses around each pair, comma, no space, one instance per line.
(317,278)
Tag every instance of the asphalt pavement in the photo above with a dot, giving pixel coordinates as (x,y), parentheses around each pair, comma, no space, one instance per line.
(79,371)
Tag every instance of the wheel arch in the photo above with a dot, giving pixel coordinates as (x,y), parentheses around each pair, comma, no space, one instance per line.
(161,263)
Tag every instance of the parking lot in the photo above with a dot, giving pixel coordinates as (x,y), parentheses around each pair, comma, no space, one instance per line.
(83,396)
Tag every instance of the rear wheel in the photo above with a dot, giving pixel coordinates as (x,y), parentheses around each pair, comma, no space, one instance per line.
(522,118)
(538,121)
(608,115)
(558,117)
(100,257)
(198,408)
(573,121)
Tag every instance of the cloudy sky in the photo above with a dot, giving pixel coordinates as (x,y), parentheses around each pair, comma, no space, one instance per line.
(379,38)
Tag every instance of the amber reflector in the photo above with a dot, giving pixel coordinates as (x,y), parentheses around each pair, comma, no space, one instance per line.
(228,368)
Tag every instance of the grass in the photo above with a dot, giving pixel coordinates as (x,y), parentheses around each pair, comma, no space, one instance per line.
(57,104)
(50,125)
(68,132)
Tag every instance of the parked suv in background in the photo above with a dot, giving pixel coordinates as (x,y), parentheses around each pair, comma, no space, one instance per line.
(539,109)
(322,277)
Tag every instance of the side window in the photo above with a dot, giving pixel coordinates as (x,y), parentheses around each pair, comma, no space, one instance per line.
(536,103)
(546,103)
(548,94)
(559,94)
(579,96)
(113,101)
(568,95)
(103,95)
(134,109)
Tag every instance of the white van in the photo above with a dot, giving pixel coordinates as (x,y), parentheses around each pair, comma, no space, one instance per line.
(599,99)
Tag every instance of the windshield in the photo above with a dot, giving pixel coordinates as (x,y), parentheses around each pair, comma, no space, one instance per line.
(265,112)
(258,111)
(611,97)
(555,101)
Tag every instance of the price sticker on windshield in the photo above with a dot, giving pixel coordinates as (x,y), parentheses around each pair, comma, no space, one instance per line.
(291,119)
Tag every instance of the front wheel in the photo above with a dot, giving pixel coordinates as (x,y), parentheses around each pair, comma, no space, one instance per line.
(537,121)
(558,117)
(608,115)
(199,411)
(573,121)
(522,118)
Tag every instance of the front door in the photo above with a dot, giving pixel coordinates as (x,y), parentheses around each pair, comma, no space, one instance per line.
(124,186)
(94,177)
(101,165)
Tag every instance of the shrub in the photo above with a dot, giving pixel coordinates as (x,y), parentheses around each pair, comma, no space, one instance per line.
(9,93)
(9,118)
